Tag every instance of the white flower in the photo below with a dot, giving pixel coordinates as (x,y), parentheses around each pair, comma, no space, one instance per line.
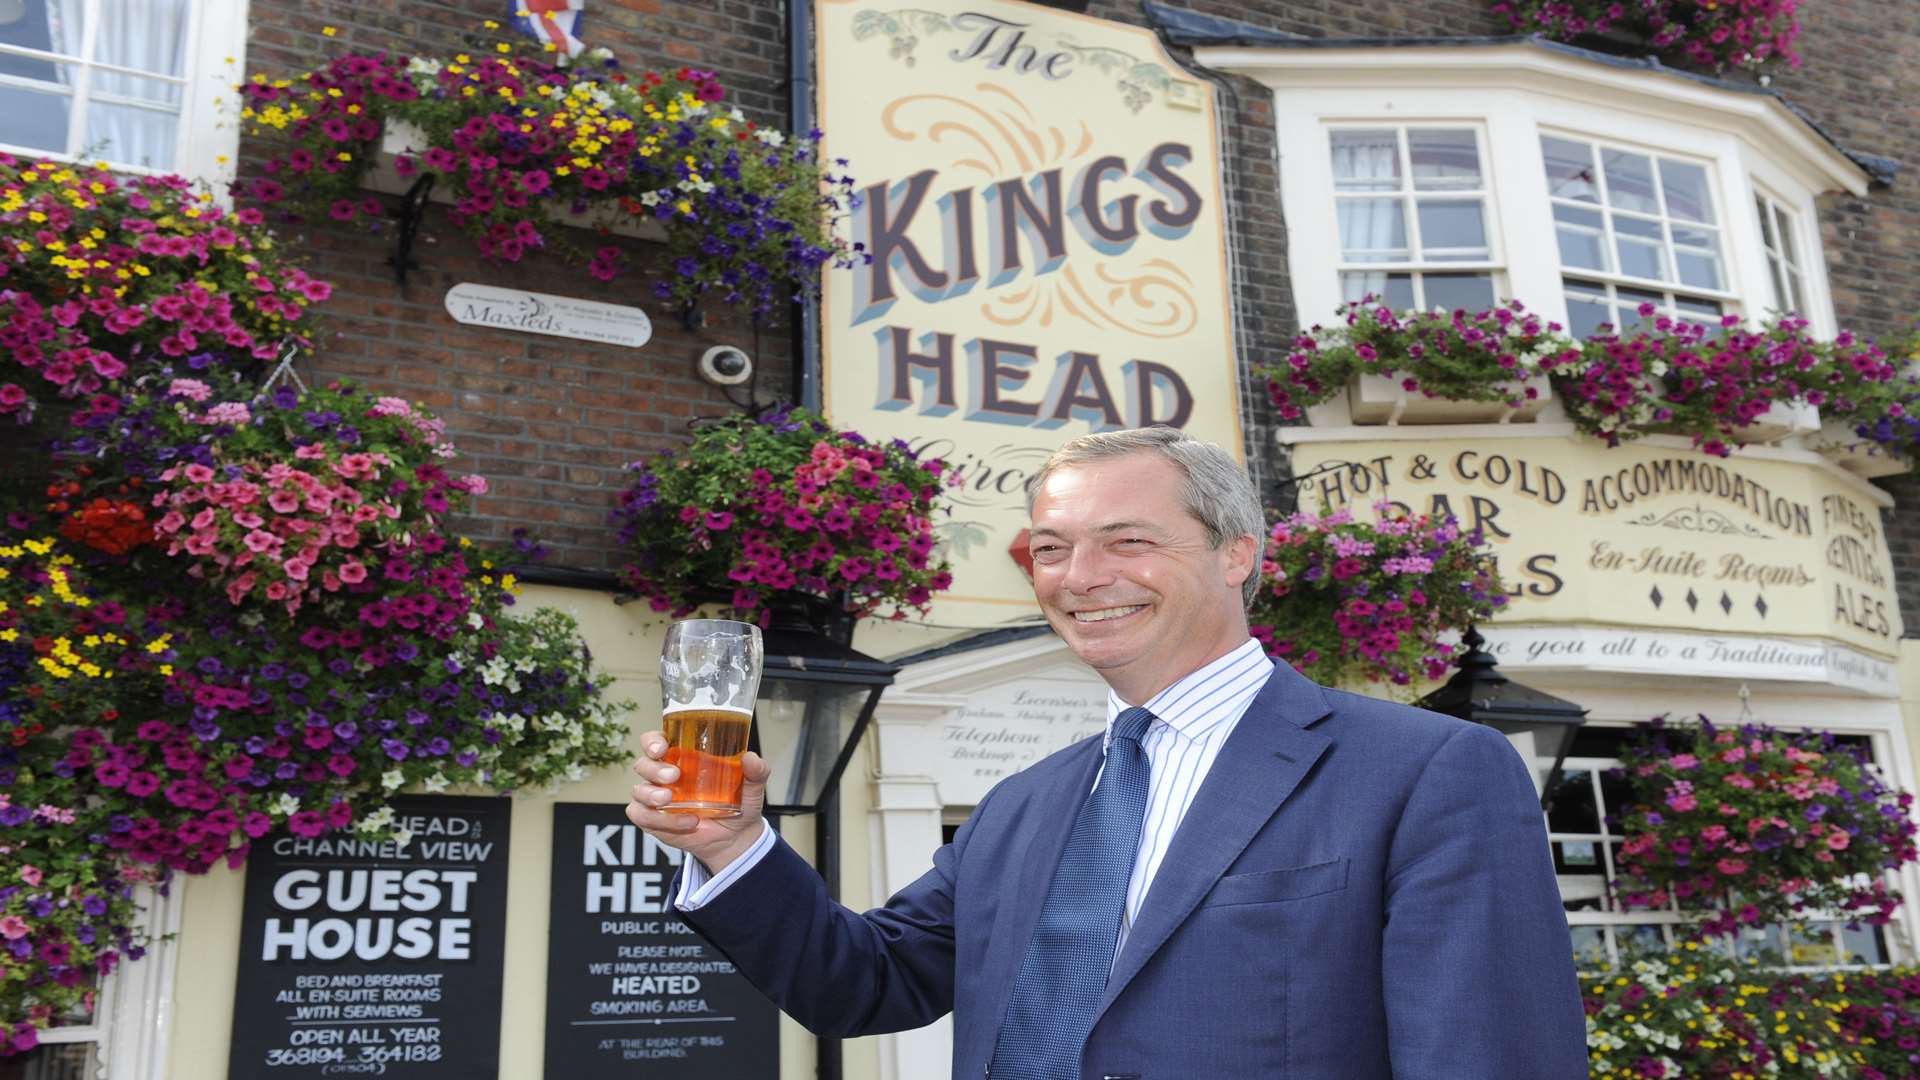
(600,53)
(421,65)
(392,779)
(284,806)
(403,838)
(436,782)
(770,136)
(475,620)
(649,198)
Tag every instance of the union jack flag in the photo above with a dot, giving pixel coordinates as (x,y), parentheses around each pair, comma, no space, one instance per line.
(553,21)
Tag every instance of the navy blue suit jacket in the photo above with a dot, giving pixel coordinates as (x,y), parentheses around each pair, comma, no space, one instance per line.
(1360,891)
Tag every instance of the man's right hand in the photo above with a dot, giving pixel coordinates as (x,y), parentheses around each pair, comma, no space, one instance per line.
(716,842)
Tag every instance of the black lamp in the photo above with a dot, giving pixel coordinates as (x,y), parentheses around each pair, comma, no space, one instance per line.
(817,696)
(1480,694)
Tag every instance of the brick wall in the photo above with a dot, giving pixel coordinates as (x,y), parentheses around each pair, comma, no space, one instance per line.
(551,421)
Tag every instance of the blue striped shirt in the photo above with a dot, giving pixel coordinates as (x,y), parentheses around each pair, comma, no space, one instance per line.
(1194,717)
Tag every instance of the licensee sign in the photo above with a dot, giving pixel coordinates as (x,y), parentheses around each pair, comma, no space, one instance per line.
(544,313)
(632,990)
(371,958)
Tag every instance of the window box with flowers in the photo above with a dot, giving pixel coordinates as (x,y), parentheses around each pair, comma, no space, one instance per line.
(1420,367)
(785,510)
(522,146)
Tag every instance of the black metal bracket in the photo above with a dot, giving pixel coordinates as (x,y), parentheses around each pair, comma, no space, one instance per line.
(693,317)
(411,211)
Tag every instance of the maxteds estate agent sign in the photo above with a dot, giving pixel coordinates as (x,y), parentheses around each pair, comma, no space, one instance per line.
(1041,196)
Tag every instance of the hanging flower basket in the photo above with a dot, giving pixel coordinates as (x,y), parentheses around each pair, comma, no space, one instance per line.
(1752,825)
(521,146)
(1348,601)
(782,508)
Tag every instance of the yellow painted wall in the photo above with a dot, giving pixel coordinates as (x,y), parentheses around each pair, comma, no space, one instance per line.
(626,642)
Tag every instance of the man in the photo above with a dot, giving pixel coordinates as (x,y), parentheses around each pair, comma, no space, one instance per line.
(1249,876)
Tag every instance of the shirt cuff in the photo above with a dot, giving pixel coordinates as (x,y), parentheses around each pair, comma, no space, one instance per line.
(697,887)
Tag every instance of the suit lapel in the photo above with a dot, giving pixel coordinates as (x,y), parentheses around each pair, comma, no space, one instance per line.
(1041,828)
(1269,753)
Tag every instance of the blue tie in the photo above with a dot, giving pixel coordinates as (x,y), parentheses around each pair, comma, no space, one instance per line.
(1064,975)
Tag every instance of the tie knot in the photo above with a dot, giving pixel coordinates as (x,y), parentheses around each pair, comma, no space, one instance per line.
(1132,724)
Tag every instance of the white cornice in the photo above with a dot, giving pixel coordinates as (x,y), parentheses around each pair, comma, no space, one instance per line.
(1760,119)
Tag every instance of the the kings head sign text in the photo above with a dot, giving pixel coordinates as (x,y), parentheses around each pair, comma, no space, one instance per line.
(1041,201)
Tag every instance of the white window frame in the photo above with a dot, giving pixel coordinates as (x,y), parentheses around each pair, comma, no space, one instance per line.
(133,1012)
(1788,224)
(1493,265)
(1518,92)
(1729,300)
(208,140)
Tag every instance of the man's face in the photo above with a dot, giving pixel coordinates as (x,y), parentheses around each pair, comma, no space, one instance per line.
(1127,578)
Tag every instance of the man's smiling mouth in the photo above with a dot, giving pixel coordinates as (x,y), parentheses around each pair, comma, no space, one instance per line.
(1104,614)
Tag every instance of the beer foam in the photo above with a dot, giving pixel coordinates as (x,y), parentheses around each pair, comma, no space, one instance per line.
(705,706)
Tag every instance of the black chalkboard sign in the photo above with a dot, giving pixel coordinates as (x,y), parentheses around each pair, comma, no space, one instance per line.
(361,958)
(631,990)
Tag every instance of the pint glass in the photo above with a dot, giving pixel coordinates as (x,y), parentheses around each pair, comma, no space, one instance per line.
(709,677)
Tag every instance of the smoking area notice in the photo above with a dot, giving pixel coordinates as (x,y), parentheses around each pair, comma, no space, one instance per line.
(631,989)
(375,958)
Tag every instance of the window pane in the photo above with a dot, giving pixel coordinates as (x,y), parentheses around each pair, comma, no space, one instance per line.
(131,135)
(1642,937)
(47,25)
(1366,160)
(1585,315)
(1453,223)
(1766,222)
(1863,945)
(1373,230)
(146,35)
(1569,169)
(53,1061)
(1582,243)
(1589,946)
(1632,300)
(1393,290)
(1571,808)
(1474,292)
(1638,243)
(1780,301)
(1812,945)
(1630,181)
(1444,159)
(1787,246)
(1759,942)
(1696,310)
(1686,190)
(35,118)
(1698,270)
(1798,298)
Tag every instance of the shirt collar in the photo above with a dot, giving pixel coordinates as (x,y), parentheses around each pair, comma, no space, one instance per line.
(1197,701)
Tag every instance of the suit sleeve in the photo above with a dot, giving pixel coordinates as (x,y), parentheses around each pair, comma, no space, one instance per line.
(1478,963)
(840,973)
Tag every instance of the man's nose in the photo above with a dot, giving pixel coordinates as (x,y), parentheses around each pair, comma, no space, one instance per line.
(1087,569)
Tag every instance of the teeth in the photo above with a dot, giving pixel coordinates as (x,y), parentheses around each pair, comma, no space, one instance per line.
(1105,613)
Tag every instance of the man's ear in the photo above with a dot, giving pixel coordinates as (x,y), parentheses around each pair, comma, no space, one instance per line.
(1243,559)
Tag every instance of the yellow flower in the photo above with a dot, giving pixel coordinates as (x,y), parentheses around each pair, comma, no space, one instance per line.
(329,31)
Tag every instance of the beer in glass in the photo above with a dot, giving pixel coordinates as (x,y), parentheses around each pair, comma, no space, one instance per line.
(709,677)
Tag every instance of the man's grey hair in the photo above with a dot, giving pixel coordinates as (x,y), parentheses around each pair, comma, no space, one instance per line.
(1214,488)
